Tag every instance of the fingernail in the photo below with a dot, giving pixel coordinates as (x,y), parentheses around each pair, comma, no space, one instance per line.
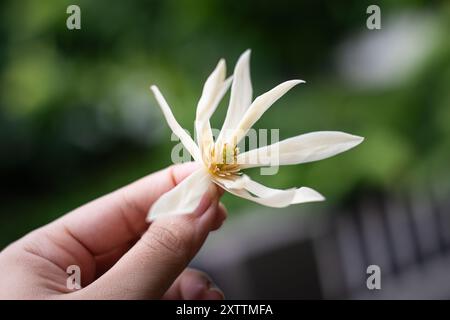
(213,191)
(208,200)
(213,292)
(224,211)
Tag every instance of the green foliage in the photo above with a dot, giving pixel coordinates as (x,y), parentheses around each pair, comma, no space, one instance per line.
(77,119)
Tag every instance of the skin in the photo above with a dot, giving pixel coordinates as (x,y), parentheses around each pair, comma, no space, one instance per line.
(120,255)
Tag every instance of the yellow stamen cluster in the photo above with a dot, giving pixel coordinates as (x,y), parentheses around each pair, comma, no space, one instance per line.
(223,163)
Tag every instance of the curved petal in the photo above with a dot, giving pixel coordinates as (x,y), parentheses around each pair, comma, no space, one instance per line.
(185,138)
(240,98)
(258,107)
(249,189)
(275,201)
(184,198)
(305,194)
(300,149)
(214,89)
(202,124)
(211,87)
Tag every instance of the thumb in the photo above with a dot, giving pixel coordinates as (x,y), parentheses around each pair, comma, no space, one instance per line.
(149,268)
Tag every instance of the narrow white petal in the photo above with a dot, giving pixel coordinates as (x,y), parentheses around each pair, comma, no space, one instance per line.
(240,98)
(279,200)
(305,194)
(213,91)
(225,85)
(236,182)
(202,124)
(258,107)
(300,149)
(185,138)
(247,188)
(184,198)
(211,88)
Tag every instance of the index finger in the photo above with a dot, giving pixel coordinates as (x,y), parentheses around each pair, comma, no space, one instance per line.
(119,217)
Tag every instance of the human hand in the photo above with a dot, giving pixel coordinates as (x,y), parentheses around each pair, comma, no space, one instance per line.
(120,256)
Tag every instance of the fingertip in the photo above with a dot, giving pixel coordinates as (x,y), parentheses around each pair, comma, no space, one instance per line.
(208,201)
(220,216)
(223,211)
(213,293)
(197,285)
(220,190)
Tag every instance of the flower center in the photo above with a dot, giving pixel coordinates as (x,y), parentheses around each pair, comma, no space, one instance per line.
(222,161)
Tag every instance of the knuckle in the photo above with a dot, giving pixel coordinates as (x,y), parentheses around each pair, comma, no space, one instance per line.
(175,241)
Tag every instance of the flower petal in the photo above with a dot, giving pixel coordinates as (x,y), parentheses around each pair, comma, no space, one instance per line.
(258,107)
(184,198)
(300,149)
(305,194)
(211,88)
(247,188)
(280,200)
(185,138)
(202,124)
(240,98)
(213,91)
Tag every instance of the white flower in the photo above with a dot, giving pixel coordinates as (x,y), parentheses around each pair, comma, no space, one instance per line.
(220,159)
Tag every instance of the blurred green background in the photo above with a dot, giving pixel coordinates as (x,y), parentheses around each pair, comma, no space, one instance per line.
(77,119)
